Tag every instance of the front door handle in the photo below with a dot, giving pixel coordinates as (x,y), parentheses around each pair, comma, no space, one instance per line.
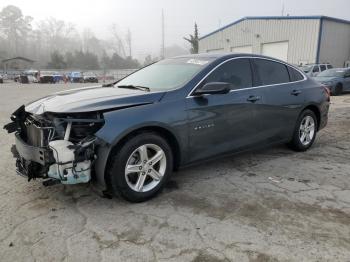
(253,99)
(295,92)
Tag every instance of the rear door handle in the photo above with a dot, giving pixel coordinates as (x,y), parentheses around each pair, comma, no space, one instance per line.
(253,99)
(295,92)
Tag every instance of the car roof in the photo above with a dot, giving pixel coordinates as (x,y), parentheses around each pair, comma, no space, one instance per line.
(318,64)
(225,56)
(340,69)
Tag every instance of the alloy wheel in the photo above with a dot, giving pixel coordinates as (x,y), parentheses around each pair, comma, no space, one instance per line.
(307,130)
(145,168)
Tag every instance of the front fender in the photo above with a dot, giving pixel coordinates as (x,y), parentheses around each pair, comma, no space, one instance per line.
(170,116)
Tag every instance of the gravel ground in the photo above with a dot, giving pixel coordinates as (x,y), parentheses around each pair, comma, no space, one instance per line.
(269,205)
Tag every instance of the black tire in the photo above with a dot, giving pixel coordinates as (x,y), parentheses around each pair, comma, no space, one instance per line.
(296,143)
(338,90)
(116,169)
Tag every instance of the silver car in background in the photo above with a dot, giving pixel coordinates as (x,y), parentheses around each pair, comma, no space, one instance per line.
(313,70)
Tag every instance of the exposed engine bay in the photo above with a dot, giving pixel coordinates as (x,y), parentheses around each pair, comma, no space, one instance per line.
(58,147)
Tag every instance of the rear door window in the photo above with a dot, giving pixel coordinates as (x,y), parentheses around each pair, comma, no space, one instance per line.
(316,69)
(329,66)
(271,72)
(323,67)
(237,72)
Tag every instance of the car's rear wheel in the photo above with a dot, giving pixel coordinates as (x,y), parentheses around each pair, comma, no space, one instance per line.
(139,170)
(338,90)
(305,131)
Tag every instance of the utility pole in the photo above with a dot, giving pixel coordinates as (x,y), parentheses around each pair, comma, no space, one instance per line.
(163,37)
(282,11)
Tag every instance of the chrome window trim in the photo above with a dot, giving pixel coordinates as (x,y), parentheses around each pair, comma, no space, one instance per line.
(253,87)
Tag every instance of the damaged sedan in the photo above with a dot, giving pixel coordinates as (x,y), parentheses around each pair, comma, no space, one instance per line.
(129,136)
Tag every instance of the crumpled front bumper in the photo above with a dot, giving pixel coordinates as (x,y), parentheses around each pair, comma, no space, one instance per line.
(31,161)
(40,155)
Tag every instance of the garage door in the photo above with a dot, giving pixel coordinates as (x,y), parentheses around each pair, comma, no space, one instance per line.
(277,50)
(242,49)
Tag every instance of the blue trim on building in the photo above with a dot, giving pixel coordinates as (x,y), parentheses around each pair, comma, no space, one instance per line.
(320,17)
(319,41)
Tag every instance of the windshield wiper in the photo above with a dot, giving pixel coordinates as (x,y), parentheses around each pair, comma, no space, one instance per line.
(144,88)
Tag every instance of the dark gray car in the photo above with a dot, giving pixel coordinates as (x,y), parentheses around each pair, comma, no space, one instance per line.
(337,80)
(129,136)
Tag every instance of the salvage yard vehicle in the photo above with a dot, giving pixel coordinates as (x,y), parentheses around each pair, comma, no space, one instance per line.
(57,77)
(1,79)
(75,77)
(313,70)
(46,77)
(130,135)
(89,77)
(337,80)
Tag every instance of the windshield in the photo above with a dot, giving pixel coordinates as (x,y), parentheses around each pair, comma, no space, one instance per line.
(167,74)
(306,69)
(332,73)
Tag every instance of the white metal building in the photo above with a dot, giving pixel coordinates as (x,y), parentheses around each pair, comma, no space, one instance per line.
(295,39)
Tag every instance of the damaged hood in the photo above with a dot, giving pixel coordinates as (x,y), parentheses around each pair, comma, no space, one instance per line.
(92,99)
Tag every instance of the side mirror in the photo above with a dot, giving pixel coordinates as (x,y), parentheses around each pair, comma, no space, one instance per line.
(214,88)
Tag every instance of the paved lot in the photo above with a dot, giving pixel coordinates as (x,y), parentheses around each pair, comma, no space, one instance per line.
(270,205)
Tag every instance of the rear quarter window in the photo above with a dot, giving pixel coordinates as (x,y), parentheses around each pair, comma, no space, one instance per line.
(294,75)
(270,72)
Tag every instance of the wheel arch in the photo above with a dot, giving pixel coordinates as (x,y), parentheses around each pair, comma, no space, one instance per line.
(339,84)
(317,112)
(164,132)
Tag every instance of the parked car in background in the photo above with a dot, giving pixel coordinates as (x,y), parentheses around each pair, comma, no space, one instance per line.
(1,79)
(16,78)
(46,77)
(337,80)
(32,76)
(75,77)
(89,77)
(32,79)
(57,77)
(136,131)
(313,70)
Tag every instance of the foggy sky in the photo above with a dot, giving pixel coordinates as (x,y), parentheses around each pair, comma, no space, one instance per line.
(143,17)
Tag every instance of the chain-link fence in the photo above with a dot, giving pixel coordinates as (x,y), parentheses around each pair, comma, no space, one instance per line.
(102,75)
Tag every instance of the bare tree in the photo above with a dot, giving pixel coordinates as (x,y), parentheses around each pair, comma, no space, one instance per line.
(58,34)
(128,42)
(117,41)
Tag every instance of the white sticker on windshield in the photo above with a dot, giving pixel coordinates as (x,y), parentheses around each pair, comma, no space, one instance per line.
(197,62)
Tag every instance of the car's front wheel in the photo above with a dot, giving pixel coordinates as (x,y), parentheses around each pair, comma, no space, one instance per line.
(139,170)
(305,131)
